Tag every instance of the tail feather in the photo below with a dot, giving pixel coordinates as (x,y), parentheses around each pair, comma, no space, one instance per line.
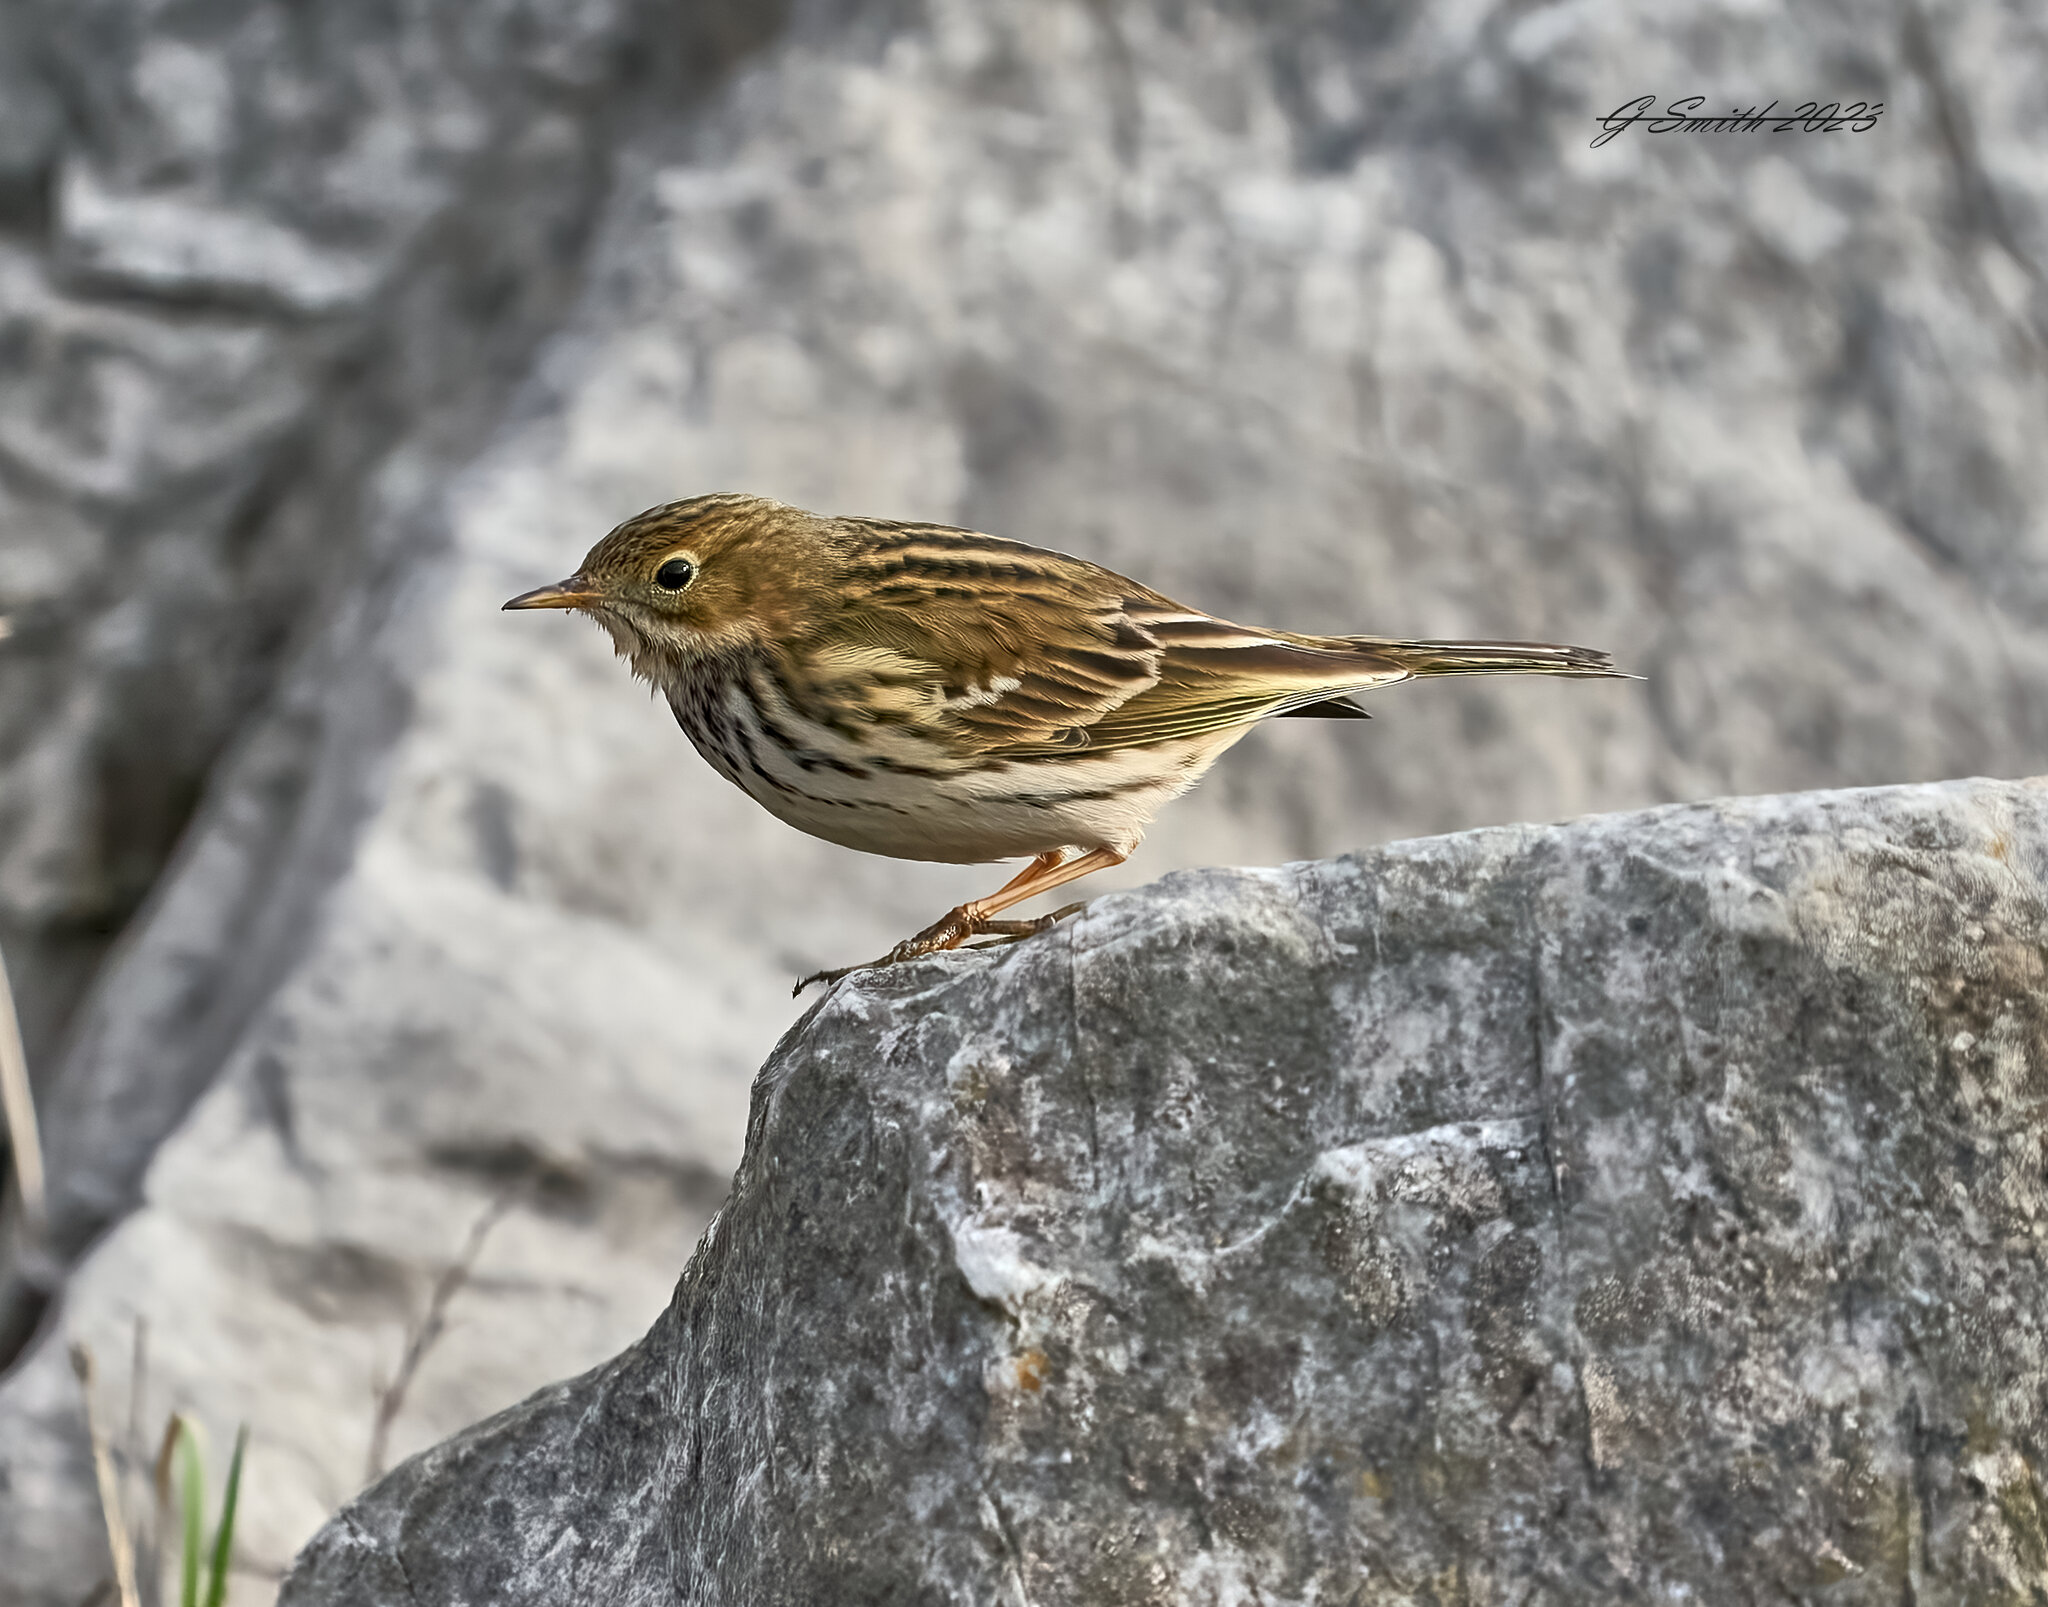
(1494,658)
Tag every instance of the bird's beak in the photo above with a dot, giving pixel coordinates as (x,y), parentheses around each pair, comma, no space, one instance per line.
(574,592)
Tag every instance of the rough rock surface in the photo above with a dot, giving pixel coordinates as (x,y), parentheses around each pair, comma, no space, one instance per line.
(1650,1208)
(1316,314)
(247,254)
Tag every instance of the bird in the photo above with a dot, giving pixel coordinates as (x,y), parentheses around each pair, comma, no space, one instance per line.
(933,693)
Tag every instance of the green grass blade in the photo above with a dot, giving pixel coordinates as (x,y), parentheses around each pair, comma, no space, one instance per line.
(224,1536)
(192,1501)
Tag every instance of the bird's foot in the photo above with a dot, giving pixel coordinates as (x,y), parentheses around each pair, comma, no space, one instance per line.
(951,931)
(1002,934)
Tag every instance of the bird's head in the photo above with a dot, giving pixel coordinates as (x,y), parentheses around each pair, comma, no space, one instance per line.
(693,580)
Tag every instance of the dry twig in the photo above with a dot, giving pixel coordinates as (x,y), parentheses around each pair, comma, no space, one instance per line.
(391,1399)
(17,1103)
(118,1541)
(134,1458)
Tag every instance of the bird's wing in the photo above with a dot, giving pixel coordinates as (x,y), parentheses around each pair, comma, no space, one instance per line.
(1013,651)
(989,647)
(1214,675)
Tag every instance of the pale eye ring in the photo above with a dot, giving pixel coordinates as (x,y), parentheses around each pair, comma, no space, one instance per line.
(675,574)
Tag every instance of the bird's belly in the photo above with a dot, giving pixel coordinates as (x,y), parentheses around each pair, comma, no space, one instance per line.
(924,824)
(1005,811)
(912,806)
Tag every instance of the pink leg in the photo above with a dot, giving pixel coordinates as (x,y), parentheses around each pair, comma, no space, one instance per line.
(976,919)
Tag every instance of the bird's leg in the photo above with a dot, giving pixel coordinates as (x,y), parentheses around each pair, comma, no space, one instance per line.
(976,919)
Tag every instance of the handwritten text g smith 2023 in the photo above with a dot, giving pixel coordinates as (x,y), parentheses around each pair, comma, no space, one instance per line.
(1683,117)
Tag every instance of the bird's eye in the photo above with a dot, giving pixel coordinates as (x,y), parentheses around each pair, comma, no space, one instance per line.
(675,574)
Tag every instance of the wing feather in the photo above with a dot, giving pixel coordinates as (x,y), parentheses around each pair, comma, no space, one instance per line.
(1040,653)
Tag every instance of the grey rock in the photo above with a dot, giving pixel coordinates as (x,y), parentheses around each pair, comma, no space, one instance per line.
(1644,1209)
(246,250)
(1314,315)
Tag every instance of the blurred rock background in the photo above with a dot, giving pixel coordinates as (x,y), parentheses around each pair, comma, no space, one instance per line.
(358,928)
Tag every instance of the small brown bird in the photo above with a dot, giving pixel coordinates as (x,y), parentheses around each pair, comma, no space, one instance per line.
(931,693)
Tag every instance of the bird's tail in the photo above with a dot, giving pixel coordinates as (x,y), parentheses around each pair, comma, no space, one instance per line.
(1493,658)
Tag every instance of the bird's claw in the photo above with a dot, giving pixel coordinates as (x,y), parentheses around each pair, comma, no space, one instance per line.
(1007,932)
(950,932)
(830,977)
